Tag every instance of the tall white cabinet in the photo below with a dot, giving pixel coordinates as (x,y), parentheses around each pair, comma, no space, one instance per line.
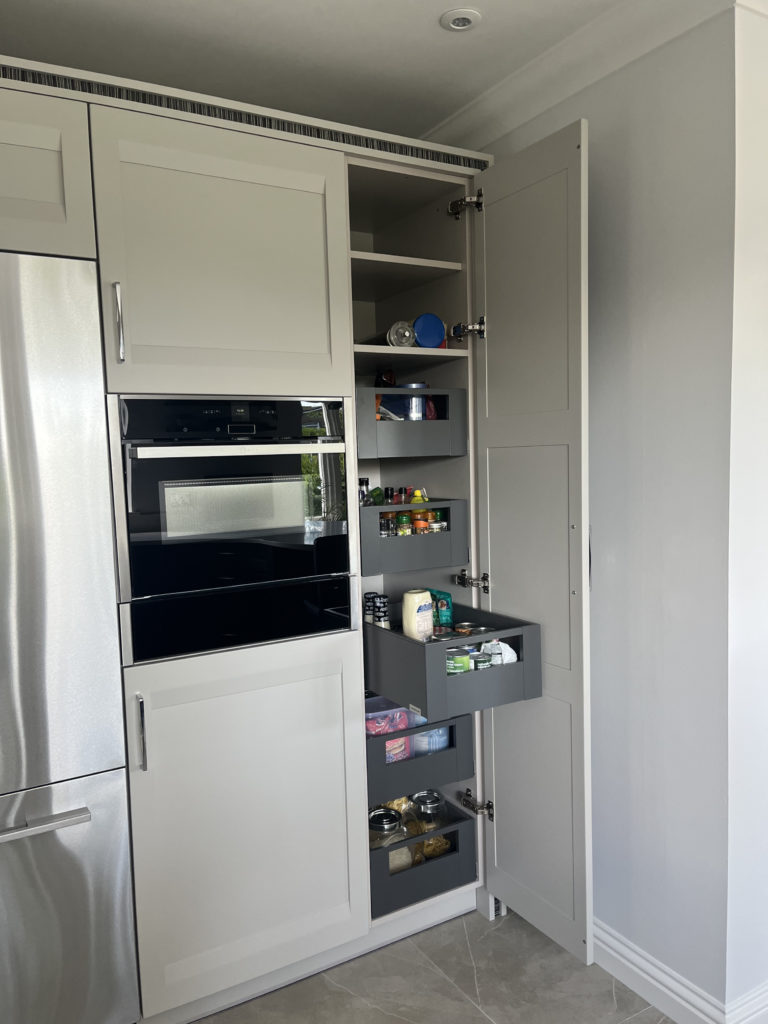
(234,262)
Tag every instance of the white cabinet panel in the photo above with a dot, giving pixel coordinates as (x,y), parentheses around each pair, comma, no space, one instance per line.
(46,204)
(249,823)
(531,434)
(230,251)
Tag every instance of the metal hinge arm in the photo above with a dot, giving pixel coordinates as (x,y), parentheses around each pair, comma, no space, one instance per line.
(469,803)
(457,206)
(483,582)
(462,330)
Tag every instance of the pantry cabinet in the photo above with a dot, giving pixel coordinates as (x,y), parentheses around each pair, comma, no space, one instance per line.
(45,176)
(234,262)
(248,812)
(223,260)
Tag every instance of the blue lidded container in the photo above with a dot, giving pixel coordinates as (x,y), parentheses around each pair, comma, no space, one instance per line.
(429,330)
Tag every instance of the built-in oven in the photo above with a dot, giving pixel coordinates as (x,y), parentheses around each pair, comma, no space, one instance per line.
(232,521)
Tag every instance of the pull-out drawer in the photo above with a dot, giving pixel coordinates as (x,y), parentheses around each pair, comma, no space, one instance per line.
(410,438)
(389,780)
(415,674)
(418,551)
(392,889)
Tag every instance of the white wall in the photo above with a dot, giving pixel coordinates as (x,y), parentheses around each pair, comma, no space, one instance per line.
(748,577)
(661,244)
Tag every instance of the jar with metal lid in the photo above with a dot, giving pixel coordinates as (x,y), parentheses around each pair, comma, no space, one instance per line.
(385,826)
(429,808)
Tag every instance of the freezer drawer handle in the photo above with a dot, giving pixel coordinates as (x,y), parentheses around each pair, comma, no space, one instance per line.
(38,826)
(119,320)
(142,732)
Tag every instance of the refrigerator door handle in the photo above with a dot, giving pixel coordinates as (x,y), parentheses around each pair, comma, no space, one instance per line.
(142,732)
(38,826)
(119,320)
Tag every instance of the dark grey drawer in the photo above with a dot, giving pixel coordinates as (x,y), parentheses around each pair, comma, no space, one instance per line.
(400,778)
(419,551)
(414,674)
(390,892)
(386,439)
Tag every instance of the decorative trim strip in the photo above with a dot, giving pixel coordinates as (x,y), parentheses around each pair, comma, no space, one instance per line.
(751,1008)
(605,44)
(233,115)
(665,988)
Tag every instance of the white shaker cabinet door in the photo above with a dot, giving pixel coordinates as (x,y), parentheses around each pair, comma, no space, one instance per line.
(46,204)
(248,806)
(223,260)
(532,475)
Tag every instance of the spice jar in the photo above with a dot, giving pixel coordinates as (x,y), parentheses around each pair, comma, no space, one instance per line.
(420,526)
(404,524)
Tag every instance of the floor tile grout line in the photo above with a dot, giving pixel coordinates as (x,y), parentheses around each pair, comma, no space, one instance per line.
(368,1003)
(644,1009)
(474,965)
(458,989)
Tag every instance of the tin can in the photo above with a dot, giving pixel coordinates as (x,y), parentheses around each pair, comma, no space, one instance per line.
(456,661)
(465,628)
(479,661)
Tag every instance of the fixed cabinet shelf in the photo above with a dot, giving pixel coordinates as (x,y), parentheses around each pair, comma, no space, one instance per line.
(369,359)
(415,675)
(417,551)
(377,276)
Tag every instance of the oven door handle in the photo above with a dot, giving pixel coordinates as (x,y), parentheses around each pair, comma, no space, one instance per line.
(211,451)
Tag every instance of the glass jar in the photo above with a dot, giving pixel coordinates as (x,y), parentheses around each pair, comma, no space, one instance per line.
(429,808)
(385,826)
(388,524)
(404,524)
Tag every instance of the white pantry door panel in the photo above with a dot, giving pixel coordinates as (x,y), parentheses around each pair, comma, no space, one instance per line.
(46,205)
(231,254)
(532,459)
(249,823)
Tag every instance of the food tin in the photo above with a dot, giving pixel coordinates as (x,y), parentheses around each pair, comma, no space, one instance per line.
(456,660)
(444,633)
(465,628)
(478,661)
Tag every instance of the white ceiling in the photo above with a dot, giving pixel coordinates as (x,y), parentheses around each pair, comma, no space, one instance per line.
(383,64)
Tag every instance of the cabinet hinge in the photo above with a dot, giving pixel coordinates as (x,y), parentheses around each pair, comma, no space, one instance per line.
(462,330)
(457,206)
(481,582)
(469,803)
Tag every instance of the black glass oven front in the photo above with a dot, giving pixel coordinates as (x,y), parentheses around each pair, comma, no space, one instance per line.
(236,510)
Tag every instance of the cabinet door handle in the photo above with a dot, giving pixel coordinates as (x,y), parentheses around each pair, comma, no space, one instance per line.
(38,826)
(142,733)
(119,320)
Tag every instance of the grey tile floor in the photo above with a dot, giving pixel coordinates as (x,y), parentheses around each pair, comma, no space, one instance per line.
(466,971)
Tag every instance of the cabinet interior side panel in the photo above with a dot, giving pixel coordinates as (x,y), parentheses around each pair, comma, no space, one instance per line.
(274,293)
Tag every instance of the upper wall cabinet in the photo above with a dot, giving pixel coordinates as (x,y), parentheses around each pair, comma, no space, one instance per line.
(45,176)
(223,260)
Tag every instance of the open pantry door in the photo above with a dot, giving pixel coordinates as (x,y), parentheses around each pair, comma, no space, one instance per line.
(533,526)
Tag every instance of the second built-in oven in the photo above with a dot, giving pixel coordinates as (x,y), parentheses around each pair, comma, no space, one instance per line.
(231,521)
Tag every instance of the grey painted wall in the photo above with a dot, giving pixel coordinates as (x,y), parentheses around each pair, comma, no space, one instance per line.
(661,275)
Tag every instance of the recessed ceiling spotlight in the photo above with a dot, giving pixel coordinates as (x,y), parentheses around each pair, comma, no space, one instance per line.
(460,20)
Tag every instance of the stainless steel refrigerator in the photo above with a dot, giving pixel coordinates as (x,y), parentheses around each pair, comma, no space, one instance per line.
(67,949)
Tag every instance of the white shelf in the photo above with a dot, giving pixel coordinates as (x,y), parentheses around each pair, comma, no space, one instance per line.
(371,358)
(376,276)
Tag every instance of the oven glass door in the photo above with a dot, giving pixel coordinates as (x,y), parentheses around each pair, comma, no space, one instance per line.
(210,517)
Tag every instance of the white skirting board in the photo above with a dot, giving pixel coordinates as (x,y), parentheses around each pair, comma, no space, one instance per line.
(667,990)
